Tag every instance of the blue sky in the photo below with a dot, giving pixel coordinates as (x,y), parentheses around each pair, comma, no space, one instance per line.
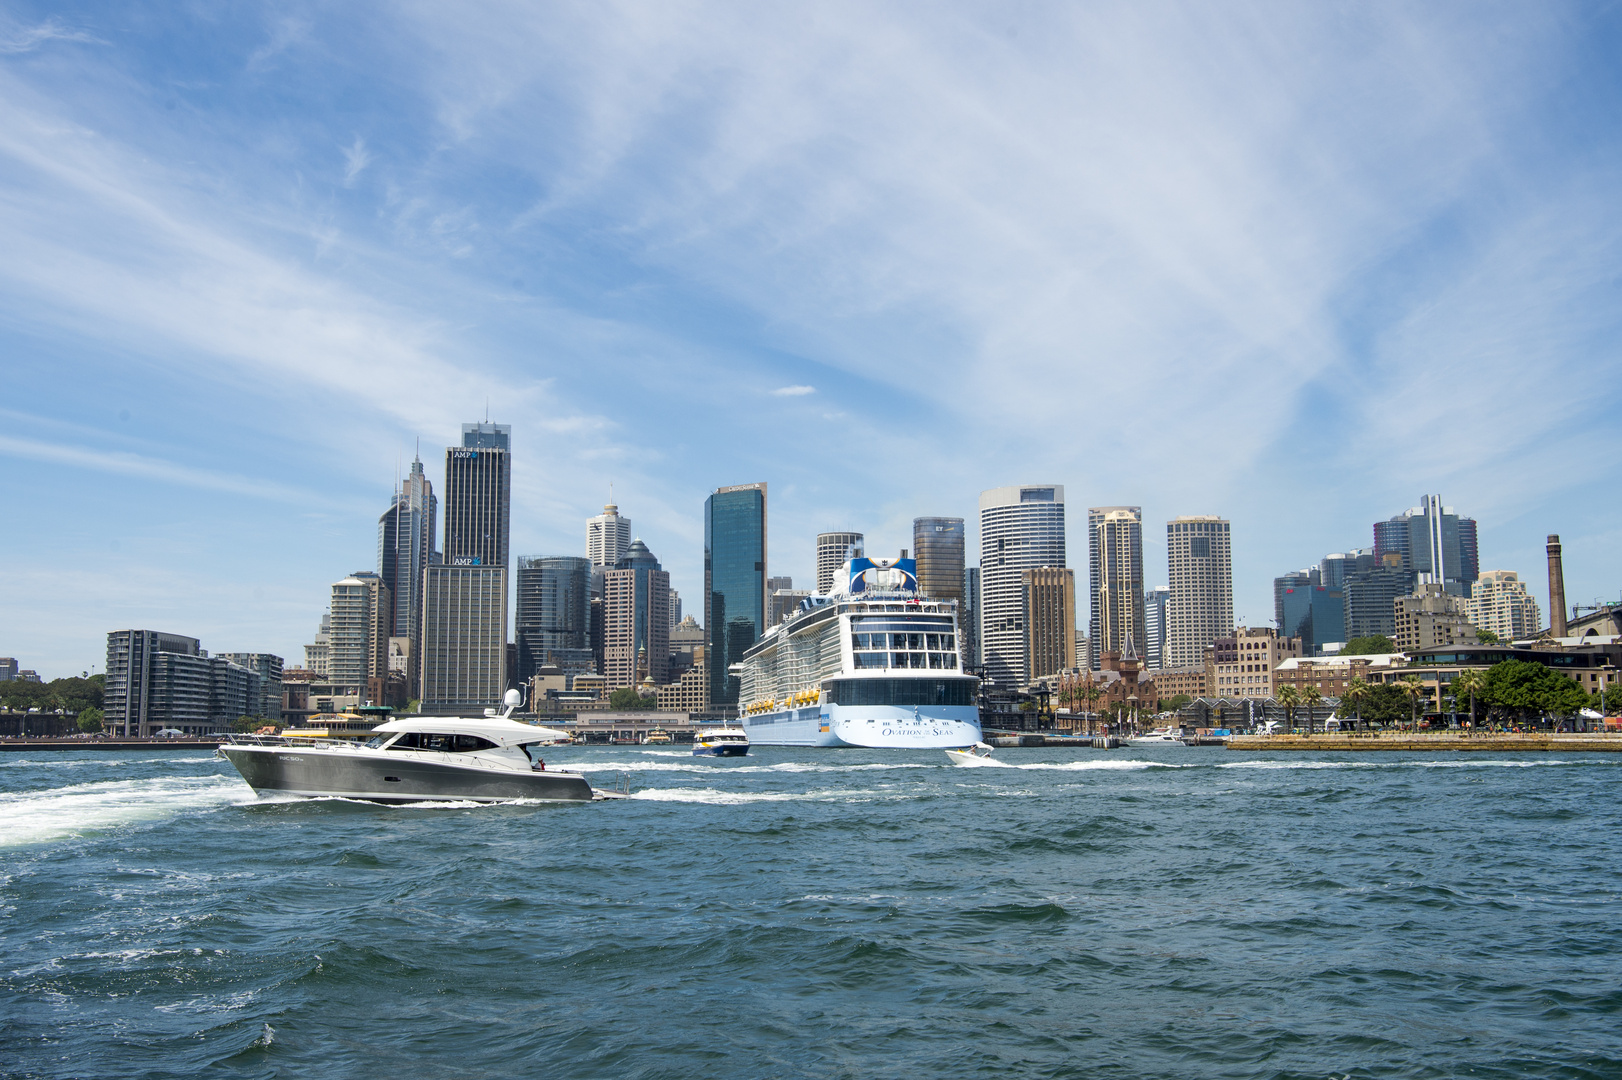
(1292,264)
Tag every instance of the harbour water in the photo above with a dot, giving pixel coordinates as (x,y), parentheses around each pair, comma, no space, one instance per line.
(1166,912)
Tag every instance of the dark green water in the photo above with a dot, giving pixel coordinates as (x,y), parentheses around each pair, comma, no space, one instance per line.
(1160,913)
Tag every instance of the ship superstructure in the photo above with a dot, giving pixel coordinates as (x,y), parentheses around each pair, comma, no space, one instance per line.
(870,663)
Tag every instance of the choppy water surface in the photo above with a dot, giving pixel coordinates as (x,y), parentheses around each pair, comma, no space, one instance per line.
(1159,913)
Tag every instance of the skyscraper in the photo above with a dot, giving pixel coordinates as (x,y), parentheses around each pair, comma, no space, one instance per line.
(937,547)
(1155,602)
(1436,545)
(405,546)
(465,632)
(833,548)
(1021,528)
(968,619)
(1115,579)
(1316,614)
(636,619)
(608,538)
(554,610)
(1048,596)
(362,615)
(1201,605)
(734,581)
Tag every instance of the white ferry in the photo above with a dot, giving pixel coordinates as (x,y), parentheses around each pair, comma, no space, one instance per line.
(872,663)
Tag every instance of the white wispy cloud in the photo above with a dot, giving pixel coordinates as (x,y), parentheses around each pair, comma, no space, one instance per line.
(30,38)
(356,158)
(794,391)
(126,463)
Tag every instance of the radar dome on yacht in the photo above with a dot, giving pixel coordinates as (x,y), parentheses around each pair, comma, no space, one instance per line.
(513,698)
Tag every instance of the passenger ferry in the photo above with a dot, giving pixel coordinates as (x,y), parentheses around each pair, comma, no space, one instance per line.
(872,663)
(721,742)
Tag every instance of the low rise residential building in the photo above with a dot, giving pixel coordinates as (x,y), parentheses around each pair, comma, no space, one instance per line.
(1241,664)
(1331,675)
(1173,681)
(1432,617)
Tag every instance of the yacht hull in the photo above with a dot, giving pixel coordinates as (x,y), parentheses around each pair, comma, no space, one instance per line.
(720,751)
(394,778)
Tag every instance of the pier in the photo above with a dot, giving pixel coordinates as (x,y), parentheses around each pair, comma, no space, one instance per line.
(1423,742)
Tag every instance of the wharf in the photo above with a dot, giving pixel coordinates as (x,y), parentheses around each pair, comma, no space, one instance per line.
(109,744)
(1497,742)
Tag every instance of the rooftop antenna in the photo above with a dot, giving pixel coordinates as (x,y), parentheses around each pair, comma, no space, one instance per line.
(487,408)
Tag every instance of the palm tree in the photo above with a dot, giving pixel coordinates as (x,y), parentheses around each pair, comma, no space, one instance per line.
(1090,692)
(1355,692)
(1289,697)
(1469,682)
(1311,697)
(1413,687)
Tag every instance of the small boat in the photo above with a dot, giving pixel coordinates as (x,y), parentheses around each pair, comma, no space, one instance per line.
(1165,736)
(721,742)
(977,755)
(492,758)
(657,737)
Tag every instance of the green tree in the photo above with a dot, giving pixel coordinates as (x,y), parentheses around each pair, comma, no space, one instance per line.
(626,698)
(1357,691)
(1607,701)
(248,724)
(1413,687)
(1486,637)
(1311,697)
(1385,704)
(1368,645)
(1289,697)
(1523,689)
(1173,703)
(91,719)
(1469,683)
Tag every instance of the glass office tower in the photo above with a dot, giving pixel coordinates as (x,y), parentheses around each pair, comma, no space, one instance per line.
(937,547)
(554,609)
(734,581)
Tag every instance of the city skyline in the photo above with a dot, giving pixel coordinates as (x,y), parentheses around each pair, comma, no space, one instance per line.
(234,308)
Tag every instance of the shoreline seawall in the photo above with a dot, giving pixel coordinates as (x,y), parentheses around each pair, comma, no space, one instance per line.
(1426,742)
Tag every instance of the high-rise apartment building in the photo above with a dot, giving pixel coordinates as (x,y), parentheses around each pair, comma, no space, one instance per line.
(1115,579)
(358,640)
(608,538)
(1048,596)
(1499,603)
(405,545)
(1200,558)
(675,609)
(937,548)
(1155,602)
(636,620)
(833,549)
(1021,528)
(1436,545)
(734,581)
(554,609)
(464,637)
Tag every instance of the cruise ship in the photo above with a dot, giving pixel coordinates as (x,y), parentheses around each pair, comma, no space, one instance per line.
(872,663)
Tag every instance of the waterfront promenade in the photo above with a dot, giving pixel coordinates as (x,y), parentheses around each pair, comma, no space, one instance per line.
(1496,741)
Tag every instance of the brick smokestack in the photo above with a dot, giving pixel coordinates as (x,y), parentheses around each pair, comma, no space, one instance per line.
(1557,589)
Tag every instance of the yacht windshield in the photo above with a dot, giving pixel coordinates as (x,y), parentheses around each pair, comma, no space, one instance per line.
(452,744)
(378,740)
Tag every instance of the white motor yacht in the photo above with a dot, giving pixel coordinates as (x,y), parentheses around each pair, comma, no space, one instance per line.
(1166,736)
(492,758)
